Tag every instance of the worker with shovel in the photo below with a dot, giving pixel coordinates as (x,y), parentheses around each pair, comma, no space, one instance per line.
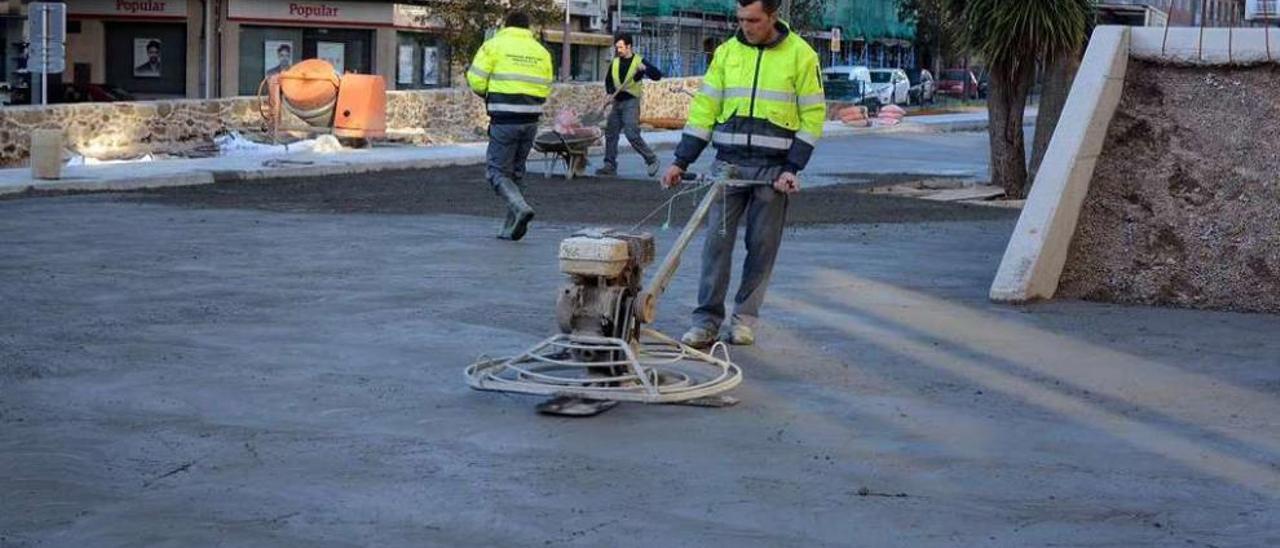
(762,105)
(625,86)
(512,72)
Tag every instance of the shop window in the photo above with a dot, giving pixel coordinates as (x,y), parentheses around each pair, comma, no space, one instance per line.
(422,61)
(264,51)
(152,58)
(268,50)
(347,50)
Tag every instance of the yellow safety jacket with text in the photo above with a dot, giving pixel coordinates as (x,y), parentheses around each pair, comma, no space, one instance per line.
(512,71)
(761,105)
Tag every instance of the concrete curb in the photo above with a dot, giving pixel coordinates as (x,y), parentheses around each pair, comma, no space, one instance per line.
(1037,250)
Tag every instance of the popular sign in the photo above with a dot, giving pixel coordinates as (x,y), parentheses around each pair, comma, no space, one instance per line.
(132,8)
(304,11)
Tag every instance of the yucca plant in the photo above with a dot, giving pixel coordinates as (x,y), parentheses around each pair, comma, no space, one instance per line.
(1015,37)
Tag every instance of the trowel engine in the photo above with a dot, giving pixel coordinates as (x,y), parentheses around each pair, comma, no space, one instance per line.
(605,351)
(606,271)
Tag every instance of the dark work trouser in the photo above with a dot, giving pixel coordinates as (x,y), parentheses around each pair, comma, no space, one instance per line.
(624,118)
(766,214)
(508,152)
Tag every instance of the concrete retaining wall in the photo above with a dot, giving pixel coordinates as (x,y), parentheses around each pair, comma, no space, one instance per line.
(1038,250)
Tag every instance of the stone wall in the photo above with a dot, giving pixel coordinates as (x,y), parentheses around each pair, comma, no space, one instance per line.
(116,130)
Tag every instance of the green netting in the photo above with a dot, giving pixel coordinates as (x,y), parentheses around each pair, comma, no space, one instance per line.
(664,8)
(868,19)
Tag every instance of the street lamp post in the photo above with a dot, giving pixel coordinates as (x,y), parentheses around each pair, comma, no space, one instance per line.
(564,46)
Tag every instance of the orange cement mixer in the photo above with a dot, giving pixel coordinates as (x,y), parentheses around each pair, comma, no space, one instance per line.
(351,105)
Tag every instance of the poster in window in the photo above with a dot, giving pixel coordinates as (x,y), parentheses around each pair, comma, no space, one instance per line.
(405,73)
(430,67)
(146,57)
(335,53)
(277,56)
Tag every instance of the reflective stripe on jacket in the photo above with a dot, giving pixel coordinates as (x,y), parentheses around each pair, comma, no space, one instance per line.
(759,104)
(512,71)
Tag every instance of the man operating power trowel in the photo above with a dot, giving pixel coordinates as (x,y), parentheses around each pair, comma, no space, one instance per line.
(762,105)
(512,72)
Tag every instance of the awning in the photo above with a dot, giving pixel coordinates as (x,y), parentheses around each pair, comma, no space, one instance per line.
(580,38)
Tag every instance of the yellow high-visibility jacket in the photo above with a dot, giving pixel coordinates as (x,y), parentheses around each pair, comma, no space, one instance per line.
(628,81)
(512,71)
(761,105)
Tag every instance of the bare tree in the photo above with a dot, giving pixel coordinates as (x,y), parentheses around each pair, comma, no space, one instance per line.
(805,15)
(935,36)
(469,19)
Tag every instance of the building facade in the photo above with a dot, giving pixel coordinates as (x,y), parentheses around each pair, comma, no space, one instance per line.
(401,42)
(14,81)
(681,35)
(590,42)
(150,49)
(1208,13)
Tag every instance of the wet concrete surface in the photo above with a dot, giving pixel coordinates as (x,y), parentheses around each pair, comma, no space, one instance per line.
(611,201)
(180,370)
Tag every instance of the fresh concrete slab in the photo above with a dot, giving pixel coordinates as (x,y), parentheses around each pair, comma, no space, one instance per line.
(184,377)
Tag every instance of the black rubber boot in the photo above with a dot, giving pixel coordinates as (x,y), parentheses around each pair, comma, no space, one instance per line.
(518,211)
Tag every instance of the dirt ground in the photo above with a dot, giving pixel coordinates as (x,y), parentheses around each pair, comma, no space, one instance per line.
(461,191)
(1183,210)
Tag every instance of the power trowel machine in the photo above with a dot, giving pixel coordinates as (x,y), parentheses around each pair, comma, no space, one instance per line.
(604,352)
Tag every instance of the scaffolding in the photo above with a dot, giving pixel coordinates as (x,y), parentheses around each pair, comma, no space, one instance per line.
(868,20)
(680,36)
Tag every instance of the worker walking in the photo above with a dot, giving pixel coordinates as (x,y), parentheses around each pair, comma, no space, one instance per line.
(762,105)
(512,72)
(625,84)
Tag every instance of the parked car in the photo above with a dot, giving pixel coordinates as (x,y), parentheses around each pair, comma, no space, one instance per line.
(922,86)
(959,83)
(890,86)
(847,83)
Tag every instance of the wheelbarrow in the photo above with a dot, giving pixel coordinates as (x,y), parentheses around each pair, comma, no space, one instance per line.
(571,148)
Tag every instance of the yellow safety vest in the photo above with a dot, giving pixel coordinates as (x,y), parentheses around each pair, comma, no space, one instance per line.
(760,105)
(512,71)
(628,84)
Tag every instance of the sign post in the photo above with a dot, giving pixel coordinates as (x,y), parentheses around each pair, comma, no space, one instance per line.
(47,32)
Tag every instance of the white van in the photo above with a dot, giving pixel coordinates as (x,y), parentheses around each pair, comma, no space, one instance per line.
(848,83)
